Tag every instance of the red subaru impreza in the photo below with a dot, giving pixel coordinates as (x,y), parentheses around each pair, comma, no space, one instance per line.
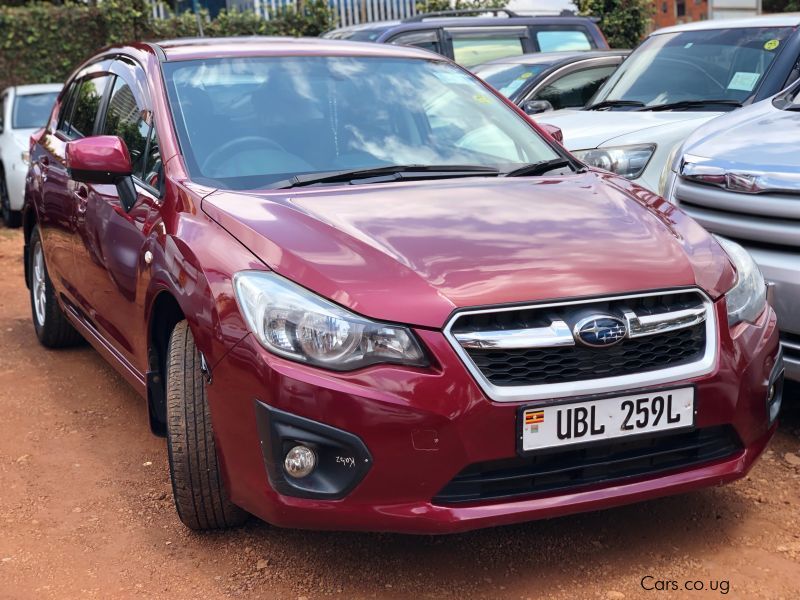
(360,290)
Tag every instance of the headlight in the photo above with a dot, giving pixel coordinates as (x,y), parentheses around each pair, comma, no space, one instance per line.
(297,324)
(748,297)
(26,157)
(628,161)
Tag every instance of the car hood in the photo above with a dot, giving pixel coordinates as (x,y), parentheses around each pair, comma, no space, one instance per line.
(23,137)
(759,137)
(585,129)
(413,252)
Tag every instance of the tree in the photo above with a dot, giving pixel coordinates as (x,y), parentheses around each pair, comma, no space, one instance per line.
(426,6)
(623,22)
(778,6)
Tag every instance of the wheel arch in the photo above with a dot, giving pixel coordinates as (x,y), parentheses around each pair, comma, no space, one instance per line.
(165,314)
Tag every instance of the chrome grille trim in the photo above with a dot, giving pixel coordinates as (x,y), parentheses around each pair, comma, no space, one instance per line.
(604,385)
(556,335)
(663,322)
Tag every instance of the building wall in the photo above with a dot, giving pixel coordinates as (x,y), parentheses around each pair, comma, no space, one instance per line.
(672,12)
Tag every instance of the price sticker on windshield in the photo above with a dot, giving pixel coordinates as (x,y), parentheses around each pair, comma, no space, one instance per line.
(744,81)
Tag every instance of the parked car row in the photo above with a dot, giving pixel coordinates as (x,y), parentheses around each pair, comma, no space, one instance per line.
(377,296)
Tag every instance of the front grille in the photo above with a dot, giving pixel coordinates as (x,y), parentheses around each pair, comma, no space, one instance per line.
(600,463)
(575,363)
(549,361)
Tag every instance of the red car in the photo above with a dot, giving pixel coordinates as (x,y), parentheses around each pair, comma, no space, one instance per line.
(360,290)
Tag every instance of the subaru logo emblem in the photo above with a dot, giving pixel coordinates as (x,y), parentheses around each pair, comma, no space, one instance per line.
(600,331)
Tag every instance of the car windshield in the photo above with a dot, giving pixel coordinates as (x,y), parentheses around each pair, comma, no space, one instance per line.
(32,110)
(250,122)
(508,78)
(717,64)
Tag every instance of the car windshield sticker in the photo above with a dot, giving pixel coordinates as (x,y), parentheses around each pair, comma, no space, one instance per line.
(450,76)
(512,87)
(771,44)
(481,99)
(744,81)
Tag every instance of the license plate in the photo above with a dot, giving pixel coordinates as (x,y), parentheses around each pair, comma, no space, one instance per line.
(591,420)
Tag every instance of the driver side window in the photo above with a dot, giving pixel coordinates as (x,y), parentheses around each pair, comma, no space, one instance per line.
(127,120)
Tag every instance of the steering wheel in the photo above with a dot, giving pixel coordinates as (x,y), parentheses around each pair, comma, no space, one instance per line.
(240,144)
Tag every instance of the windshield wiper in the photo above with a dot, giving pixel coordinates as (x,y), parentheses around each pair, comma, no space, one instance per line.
(691,104)
(540,168)
(613,104)
(387,173)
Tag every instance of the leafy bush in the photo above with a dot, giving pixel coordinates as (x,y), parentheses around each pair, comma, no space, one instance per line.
(43,43)
(623,22)
(424,6)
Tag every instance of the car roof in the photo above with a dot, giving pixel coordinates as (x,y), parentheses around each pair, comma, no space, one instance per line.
(468,21)
(552,58)
(778,20)
(37,88)
(202,48)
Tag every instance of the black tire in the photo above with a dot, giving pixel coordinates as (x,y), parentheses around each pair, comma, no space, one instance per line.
(200,496)
(51,324)
(11,218)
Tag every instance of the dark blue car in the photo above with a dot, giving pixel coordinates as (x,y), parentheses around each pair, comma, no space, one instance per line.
(471,40)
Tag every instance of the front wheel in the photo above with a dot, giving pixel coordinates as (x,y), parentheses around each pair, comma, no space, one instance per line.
(11,218)
(200,496)
(49,321)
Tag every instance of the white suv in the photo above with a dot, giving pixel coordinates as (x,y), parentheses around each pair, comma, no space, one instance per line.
(23,110)
(676,80)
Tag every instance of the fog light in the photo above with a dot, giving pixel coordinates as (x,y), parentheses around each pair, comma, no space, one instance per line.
(300,461)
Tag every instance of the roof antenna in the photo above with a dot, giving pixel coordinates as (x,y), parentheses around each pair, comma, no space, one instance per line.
(196,11)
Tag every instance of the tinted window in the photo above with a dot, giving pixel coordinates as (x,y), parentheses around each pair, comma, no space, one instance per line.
(575,89)
(556,41)
(125,118)
(428,40)
(32,110)
(470,49)
(508,79)
(67,105)
(87,104)
(313,114)
(718,64)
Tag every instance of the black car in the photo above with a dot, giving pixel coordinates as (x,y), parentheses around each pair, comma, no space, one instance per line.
(471,40)
(550,81)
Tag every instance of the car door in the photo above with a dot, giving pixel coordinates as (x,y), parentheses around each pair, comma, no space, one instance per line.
(57,222)
(112,237)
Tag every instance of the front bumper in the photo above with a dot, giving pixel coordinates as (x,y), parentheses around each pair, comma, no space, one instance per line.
(423,426)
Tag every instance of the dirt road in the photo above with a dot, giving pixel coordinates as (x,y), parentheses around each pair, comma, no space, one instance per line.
(86,511)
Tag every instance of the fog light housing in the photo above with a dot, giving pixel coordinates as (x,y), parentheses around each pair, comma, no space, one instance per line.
(300,462)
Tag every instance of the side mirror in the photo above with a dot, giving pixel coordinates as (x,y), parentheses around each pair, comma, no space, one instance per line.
(535,107)
(103,159)
(555,132)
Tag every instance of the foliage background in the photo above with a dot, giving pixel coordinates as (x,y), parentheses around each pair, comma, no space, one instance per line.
(623,22)
(42,42)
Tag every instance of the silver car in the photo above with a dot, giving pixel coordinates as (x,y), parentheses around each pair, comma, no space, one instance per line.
(739,176)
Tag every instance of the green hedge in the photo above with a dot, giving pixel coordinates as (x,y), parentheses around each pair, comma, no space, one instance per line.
(43,43)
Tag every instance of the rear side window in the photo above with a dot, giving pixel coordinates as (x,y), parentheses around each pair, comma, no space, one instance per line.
(427,40)
(87,104)
(554,40)
(67,105)
(575,89)
(473,48)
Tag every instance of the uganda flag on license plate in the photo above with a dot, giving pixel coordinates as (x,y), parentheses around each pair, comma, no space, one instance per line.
(534,417)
